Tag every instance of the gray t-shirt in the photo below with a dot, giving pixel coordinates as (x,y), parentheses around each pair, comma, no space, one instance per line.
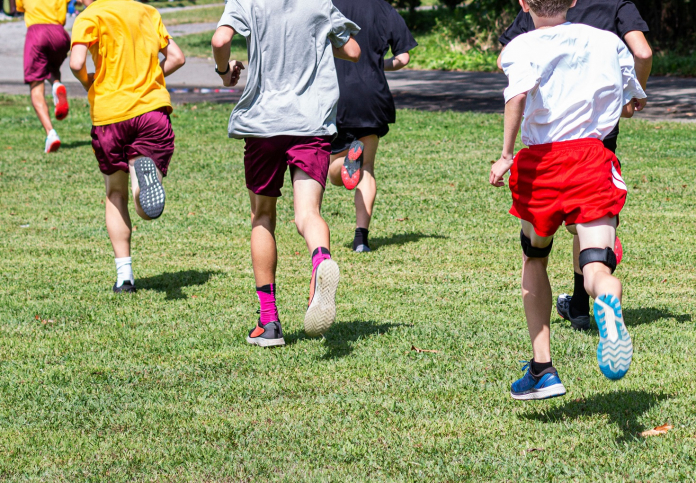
(291,87)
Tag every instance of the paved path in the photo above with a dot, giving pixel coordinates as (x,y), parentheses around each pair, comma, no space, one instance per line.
(671,98)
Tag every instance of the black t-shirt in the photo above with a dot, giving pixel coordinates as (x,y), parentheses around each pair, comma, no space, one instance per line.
(617,16)
(366,100)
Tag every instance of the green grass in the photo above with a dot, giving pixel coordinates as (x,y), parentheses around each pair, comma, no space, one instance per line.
(199,15)
(198,45)
(161,386)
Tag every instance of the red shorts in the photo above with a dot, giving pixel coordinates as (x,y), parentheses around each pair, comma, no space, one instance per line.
(571,181)
(45,48)
(149,135)
(267,159)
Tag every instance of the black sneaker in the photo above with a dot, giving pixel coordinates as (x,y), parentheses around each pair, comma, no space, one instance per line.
(151,190)
(127,287)
(268,335)
(577,322)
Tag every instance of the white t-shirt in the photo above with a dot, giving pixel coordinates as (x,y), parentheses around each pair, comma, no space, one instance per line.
(578,78)
(292,88)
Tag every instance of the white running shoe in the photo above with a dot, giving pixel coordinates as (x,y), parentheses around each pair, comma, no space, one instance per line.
(52,142)
(321,312)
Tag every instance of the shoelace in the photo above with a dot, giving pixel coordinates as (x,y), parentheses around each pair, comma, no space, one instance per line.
(525,365)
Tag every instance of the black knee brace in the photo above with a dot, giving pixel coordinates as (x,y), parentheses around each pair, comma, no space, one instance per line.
(534,252)
(601,255)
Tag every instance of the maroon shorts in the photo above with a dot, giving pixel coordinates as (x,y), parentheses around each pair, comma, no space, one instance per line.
(149,135)
(45,49)
(267,159)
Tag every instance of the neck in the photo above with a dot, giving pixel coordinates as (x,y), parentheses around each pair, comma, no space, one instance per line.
(546,22)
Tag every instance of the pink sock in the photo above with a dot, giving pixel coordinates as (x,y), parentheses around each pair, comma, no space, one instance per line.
(319,255)
(269,312)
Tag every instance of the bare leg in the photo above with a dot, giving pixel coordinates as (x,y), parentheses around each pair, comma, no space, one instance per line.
(264,255)
(38,100)
(536,296)
(366,190)
(118,223)
(135,187)
(308,196)
(598,278)
(576,255)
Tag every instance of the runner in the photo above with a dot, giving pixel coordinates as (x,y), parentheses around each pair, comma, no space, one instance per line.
(287,116)
(366,107)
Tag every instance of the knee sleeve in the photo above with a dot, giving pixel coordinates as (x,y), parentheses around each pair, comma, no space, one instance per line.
(601,255)
(533,252)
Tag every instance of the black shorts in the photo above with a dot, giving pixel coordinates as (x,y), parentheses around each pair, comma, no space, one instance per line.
(346,136)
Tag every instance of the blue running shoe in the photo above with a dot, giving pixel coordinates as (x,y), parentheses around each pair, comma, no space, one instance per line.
(615,349)
(544,386)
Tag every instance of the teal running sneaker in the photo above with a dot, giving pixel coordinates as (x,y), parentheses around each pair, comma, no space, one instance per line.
(543,386)
(615,349)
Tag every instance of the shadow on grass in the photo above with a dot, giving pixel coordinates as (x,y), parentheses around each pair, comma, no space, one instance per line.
(172,283)
(401,239)
(76,144)
(340,339)
(623,408)
(648,315)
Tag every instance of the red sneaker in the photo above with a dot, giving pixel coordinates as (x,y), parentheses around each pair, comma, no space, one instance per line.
(60,98)
(352,164)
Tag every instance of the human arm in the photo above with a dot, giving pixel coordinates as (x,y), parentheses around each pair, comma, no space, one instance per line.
(349,51)
(222,43)
(642,55)
(173,60)
(514,110)
(500,57)
(397,62)
(633,91)
(78,65)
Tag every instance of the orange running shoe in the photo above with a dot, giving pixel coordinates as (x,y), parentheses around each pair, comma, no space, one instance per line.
(352,165)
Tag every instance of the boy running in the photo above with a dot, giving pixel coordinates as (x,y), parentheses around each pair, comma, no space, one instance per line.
(286,116)
(130,109)
(571,83)
(366,107)
(622,18)
(45,48)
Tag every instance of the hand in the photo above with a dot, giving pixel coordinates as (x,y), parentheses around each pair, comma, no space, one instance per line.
(232,77)
(628,109)
(499,169)
(639,104)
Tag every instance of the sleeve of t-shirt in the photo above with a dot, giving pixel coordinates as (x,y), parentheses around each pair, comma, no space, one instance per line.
(84,31)
(341,28)
(235,16)
(520,71)
(161,30)
(520,26)
(628,18)
(631,86)
(400,38)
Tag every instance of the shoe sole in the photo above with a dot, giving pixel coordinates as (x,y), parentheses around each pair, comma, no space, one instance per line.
(261,342)
(62,106)
(575,324)
(321,313)
(152,197)
(55,146)
(544,393)
(362,249)
(615,349)
(352,164)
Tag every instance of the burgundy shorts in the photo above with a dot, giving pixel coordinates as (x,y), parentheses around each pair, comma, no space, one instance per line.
(571,181)
(45,49)
(267,159)
(148,135)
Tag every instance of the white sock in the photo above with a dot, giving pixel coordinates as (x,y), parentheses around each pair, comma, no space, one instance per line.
(124,270)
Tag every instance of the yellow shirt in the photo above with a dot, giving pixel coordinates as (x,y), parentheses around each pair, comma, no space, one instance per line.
(43,11)
(124,38)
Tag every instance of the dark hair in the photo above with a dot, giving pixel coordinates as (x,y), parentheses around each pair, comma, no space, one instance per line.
(549,8)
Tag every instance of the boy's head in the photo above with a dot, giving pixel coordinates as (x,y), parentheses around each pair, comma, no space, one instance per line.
(547,8)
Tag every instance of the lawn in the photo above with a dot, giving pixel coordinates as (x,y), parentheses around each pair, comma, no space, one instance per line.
(161,385)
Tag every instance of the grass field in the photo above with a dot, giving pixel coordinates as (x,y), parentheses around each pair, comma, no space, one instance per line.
(161,386)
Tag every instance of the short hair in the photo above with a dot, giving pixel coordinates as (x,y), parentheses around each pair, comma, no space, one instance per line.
(549,8)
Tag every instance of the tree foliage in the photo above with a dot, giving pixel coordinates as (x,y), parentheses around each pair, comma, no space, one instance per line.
(672,22)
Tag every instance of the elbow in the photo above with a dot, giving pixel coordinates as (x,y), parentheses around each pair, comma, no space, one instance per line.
(405,59)
(354,53)
(76,65)
(221,39)
(644,54)
(180,60)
